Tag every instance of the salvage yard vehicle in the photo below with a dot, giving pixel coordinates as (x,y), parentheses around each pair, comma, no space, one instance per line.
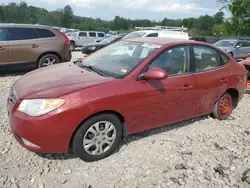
(78,39)
(127,87)
(238,49)
(92,47)
(159,31)
(34,46)
(246,63)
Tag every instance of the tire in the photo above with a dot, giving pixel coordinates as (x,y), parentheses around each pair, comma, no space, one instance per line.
(86,133)
(223,107)
(72,46)
(47,60)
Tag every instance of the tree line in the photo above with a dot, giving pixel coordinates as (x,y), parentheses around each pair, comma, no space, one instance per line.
(205,25)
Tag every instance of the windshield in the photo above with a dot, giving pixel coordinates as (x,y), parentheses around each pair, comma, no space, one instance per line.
(134,35)
(119,59)
(225,43)
(107,40)
(72,34)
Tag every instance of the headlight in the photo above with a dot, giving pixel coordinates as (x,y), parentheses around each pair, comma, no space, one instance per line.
(92,48)
(38,107)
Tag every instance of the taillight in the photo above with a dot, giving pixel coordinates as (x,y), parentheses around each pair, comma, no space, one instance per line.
(67,41)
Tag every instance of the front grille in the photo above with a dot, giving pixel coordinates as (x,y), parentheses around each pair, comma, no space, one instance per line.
(248,74)
(12,97)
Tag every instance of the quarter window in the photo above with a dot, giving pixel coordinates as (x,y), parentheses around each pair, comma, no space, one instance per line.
(205,58)
(175,60)
(223,59)
(45,33)
(92,34)
(82,34)
(3,34)
(23,34)
(100,34)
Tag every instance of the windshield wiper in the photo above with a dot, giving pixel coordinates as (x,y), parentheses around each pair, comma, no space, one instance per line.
(91,68)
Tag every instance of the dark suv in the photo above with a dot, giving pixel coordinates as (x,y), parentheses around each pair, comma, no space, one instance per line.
(36,45)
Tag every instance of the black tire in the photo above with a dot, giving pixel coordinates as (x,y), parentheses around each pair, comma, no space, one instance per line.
(42,60)
(77,144)
(72,46)
(218,107)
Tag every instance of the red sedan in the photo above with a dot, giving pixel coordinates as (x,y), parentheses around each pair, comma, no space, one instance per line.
(127,87)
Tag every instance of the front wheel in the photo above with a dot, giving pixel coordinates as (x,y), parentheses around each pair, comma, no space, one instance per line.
(223,107)
(98,137)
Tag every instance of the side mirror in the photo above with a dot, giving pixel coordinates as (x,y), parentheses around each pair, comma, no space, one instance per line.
(155,74)
(238,46)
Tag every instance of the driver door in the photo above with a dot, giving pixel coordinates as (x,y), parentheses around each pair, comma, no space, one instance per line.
(171,99)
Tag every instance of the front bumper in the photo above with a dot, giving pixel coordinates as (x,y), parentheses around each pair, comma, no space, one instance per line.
(50,133)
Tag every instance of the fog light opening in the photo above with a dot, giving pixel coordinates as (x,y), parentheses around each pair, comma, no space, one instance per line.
(28,143)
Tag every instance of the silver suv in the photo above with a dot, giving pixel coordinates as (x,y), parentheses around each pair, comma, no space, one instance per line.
(80,38)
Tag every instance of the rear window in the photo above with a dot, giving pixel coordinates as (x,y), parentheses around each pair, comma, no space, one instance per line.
(100,34)
(45,33)
(3,34)
(92,34)
(23,34)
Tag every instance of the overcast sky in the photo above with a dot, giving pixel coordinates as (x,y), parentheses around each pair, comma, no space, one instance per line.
(134,9)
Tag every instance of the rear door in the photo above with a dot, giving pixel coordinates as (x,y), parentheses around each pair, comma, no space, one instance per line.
(100,36)
(245,48)
(211,75)
(23,45)
(92,37)
(82,38)
(4,46)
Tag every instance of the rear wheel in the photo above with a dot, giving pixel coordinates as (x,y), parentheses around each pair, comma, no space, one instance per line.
(223,107)
(47,60)
(72,46)
(98,137)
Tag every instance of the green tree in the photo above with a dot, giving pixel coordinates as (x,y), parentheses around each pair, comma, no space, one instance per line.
(67,17)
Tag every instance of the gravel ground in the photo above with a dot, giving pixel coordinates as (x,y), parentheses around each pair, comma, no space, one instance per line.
(202,152)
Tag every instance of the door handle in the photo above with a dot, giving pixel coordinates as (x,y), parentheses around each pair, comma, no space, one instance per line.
(186,87)
(35,45)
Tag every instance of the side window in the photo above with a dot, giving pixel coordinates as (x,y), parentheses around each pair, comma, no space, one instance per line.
(23,34)
(100,34)
(223,59)
(82,34)
(239,44)
(245,44)
(92,34)
(175,60)
(152,35)
(205,58)
(45,33)
(3,34)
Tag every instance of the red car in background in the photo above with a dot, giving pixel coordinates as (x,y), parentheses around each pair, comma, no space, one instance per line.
(127,87)
(246,63)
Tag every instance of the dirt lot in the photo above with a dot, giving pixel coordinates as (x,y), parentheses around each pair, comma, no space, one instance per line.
(202,152)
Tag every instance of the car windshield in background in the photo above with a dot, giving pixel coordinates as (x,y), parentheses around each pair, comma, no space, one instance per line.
(72,34)
(118,59)
(225,43)
(134,35)
(107,40)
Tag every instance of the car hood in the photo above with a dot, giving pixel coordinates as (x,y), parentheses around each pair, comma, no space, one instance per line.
(56,80)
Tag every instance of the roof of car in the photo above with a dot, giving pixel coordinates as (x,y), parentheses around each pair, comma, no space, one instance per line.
(22,25)
(157,40)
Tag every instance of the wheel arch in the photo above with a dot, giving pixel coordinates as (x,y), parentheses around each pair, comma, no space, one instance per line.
(46,53)
(235,96)
(117,114)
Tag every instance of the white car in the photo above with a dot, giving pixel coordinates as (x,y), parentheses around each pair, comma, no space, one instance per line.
(166,33)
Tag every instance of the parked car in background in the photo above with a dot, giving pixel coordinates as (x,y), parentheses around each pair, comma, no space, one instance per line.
(127,87)
(111,33)
(201,39)
(159,31)
(78,39)
(246,63)
(238,49)
(33,45)
(92,47)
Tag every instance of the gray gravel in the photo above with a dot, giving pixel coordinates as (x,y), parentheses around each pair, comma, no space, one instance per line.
(202,152)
